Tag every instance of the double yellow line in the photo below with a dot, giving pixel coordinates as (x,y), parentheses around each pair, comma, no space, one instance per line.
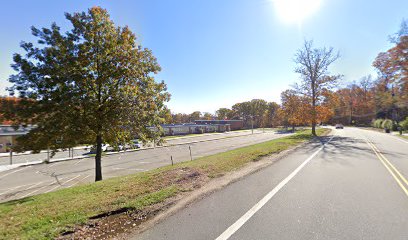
(399,178)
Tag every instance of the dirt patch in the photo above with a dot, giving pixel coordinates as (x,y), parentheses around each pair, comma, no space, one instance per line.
(116,225)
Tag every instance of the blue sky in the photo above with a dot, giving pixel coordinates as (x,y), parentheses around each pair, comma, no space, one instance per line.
(215,53)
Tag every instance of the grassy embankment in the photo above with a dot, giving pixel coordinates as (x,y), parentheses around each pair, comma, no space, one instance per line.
(46,216)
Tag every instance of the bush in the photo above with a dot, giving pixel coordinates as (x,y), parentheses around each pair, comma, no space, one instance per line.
(404,124)
(377,123)
(387,124)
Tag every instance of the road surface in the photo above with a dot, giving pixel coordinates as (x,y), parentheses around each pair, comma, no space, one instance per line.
(31,180)
(353,187)
(82,151)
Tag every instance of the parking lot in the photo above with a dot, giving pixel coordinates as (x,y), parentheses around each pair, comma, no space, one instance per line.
(40,178)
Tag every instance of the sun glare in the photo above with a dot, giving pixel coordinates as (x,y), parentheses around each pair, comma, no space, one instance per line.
(295,11)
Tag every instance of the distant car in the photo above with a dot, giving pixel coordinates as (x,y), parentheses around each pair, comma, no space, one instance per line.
(339,126)
(104,148)
(135,144)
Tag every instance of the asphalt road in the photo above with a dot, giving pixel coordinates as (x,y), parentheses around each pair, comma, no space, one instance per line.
(31,180)
(352,187)
(29,157)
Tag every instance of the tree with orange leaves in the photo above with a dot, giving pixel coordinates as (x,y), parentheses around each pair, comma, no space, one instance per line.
(392,86)
(312,64)
(295,109)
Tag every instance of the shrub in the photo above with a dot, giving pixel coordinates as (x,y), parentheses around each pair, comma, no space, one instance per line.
(404,124)
(377,123)
(387,124)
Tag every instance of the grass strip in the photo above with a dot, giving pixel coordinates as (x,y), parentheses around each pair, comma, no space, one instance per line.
(46,216)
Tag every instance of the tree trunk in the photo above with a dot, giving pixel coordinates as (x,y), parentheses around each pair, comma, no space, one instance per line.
(313,109)
(98,159)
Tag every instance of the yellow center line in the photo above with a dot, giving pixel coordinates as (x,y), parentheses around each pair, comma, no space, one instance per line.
(389,167)
(392,166)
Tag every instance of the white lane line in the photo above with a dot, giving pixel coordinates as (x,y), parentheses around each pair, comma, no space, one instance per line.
(52,189)
(242,220)
(18,170)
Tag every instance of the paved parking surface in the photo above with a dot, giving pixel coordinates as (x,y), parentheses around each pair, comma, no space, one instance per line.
(26,181)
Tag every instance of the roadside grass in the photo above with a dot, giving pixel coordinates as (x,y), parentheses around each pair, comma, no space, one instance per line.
(46,216)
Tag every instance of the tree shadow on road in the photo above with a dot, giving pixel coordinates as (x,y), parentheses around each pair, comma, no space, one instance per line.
(346,149)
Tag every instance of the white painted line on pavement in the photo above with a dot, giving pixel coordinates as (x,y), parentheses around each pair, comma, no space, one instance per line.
(14,188)
(18,170)
(402,140)
(78,162)
(9,190)
(132,169)
(79,180)
(25,195)
(52,189)
(39,188)
(35,191)
(242,220)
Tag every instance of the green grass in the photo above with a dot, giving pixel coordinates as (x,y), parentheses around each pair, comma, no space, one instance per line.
(45,216)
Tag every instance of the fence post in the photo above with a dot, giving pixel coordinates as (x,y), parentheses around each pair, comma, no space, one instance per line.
(48,155)
(191,156)
(11,151)
(171,158)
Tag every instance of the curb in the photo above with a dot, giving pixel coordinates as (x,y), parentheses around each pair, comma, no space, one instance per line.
(397,136)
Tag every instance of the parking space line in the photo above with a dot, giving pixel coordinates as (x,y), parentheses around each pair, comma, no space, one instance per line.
(79,180)
(60,185)
(132,169)
(11,188)
(78,162)
(27,194)
(18,170)
(14,188)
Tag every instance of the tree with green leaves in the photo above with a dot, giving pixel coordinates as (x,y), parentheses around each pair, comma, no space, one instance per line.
(223,113)
(312,64)
(195,116)
(93,84)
